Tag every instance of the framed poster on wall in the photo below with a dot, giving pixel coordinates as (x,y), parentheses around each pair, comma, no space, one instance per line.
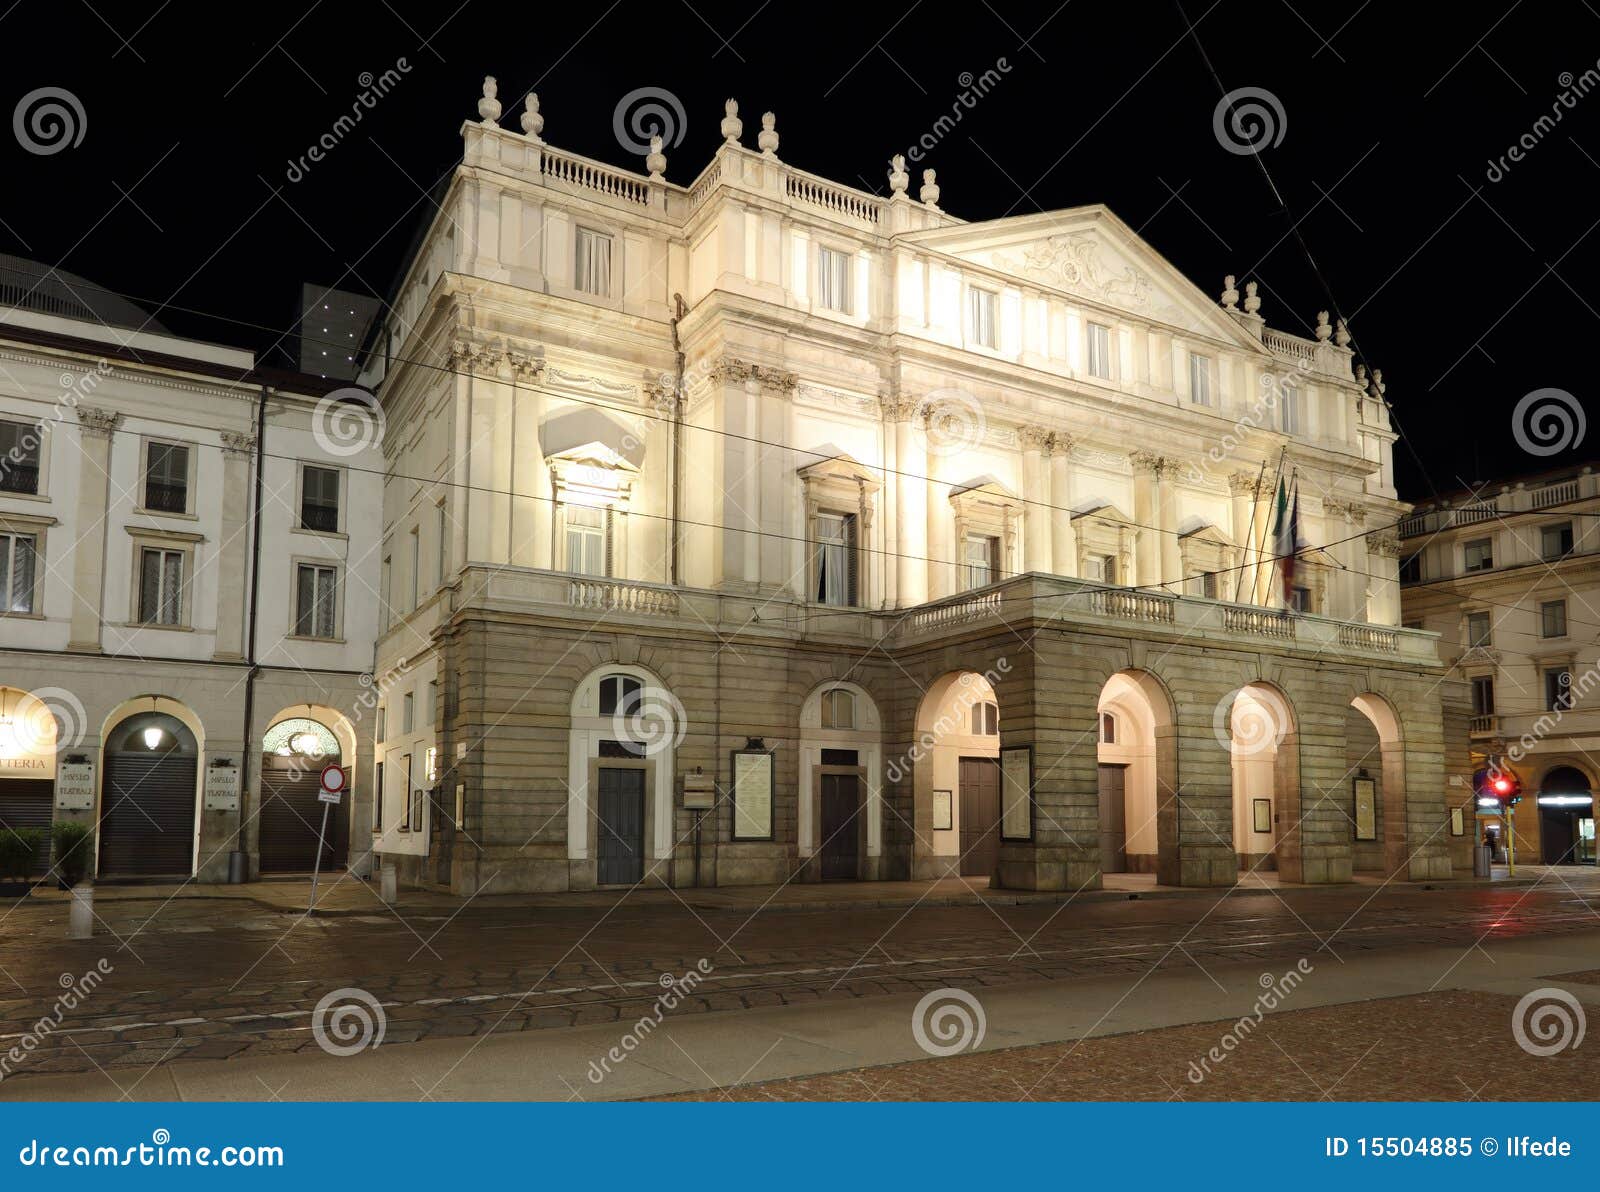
(944,812)
(752,794)
(1366,793)
(1261,812)
(1458,822)
(1016,793)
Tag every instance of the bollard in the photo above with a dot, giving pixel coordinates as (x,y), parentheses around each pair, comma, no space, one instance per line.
(388,884)
(80,914)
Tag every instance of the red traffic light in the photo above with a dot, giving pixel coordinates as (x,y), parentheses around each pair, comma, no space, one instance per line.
(1502,785)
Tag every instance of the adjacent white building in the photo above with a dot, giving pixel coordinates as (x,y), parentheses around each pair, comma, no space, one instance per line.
(165,674)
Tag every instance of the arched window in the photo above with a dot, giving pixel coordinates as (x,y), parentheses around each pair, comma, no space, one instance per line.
(1108,728)
(619,692)
(838,709)
(985,720)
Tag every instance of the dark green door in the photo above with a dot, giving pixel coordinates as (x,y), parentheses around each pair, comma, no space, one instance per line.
(619,855)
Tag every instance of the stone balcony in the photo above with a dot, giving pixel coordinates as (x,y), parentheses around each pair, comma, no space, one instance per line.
(1024,599)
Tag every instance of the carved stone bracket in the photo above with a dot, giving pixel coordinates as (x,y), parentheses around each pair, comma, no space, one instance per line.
(97,423)
(238,444)
(1383,542)
(1033,438)
(730,370)
(1060,443)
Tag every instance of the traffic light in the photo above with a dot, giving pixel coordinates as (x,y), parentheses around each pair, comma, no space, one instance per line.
(1499,784)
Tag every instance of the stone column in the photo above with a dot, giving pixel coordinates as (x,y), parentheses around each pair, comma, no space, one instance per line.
(911,502)
(1063,535)
(531,523)
(1354,554)
(1171,550)
(1038,515)
(1147,513)
(1243,585)
(234,548)
(1383,551)
(95,428)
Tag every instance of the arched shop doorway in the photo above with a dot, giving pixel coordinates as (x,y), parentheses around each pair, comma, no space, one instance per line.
(1566,817)
(147,797)
(27,767)
(956,778)
(293,754)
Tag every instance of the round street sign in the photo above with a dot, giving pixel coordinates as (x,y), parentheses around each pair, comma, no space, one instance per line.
(332,779)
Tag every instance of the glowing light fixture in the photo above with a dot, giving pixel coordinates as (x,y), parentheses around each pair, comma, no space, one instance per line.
(305,744)
(153,737)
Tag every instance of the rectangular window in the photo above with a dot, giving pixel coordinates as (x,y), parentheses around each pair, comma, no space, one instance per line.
(166,478)
(19,457)
(408,710)
(1203,583)
(433,701)
(1557,689)
(1289,396)
(1099,351)
(1483,695)
(1108,728)
(980,560)
(1553,618)
(1102,568)
(1411,569)
(1300,600)
(1479,554)
(1199,379)
(161,586)
(594,263)
(383,716)
(377,797)
(405,793)
(319,499)
(836,559)
(18,566)
(833,279)
(586,539)
(1555,542)
(316,599)
(1479,630)
(980,317)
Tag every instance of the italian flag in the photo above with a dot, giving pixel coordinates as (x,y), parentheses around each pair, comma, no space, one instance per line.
(1286,537)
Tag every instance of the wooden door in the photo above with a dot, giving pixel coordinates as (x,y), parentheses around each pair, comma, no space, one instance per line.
(980,816)
(841,827)
(1113,819)
(619,852)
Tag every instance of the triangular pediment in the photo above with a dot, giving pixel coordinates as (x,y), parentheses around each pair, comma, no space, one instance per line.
(1090,254)
(1206,532)
(831,463)
(1104,511)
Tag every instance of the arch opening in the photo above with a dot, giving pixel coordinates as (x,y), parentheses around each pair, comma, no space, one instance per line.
(299,742)
(1376,777)
(1566,817)
(1262,739)
(840,812)
(150,790)
(955,765)
(1136,775)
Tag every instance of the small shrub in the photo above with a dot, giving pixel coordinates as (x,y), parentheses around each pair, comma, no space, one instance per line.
(18,846)
(74,841)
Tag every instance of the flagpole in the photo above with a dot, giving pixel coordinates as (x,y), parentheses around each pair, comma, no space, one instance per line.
(1250,540)
(1271,559)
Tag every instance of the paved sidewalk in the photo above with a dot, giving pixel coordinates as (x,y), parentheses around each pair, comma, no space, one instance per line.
(339,894)
(709,1051)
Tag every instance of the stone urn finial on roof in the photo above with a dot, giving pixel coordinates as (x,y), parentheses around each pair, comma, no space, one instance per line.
(898,178)
(732,126)
(767,138)
(489,105)
(930,188)
(532,121)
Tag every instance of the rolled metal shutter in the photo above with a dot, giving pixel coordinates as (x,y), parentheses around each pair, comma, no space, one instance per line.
(147,816)
(291,815)
(29,803)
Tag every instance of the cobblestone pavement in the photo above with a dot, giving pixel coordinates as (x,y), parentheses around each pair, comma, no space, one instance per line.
(210,978)
(1440,1046)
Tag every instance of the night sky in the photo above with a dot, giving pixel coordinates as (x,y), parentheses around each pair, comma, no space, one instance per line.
(1467,292)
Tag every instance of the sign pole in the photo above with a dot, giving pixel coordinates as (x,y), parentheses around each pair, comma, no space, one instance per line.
(316,868)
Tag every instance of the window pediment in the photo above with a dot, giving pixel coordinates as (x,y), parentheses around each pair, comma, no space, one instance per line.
(839,468)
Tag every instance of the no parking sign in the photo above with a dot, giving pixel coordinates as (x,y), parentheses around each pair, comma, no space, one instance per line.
(333,780)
